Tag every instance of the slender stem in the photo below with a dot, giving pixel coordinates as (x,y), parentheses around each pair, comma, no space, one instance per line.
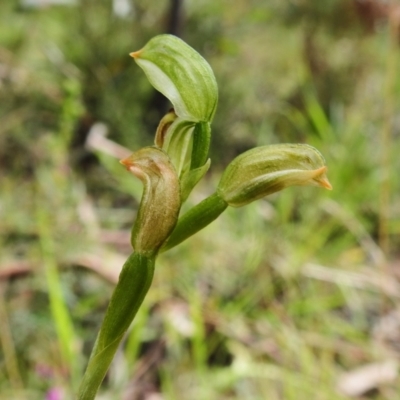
(58,305)
(134,282)
(196,219)
(386,135)
(7,344)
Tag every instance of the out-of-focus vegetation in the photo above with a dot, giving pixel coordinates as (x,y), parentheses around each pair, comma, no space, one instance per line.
(282,299)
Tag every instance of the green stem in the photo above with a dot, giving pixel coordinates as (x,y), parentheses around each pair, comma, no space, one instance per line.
(196,219)
(134,282)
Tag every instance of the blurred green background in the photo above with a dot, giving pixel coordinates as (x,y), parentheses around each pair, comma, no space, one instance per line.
(296,296)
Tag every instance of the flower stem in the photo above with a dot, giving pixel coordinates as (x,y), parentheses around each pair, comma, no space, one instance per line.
(134,282)
(196,219)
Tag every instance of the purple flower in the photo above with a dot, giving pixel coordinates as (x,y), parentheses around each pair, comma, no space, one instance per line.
(55,394)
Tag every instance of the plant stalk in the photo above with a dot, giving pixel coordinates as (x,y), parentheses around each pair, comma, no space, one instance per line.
(196,219)
(134,282)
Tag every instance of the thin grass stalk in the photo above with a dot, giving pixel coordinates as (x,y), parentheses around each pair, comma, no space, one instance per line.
(386,135)
(7,344)
(59,309)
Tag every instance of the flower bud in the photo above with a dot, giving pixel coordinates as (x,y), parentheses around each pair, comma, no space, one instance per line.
(161,200)
(186,144)
(182,75)
(268,169)
(177,142)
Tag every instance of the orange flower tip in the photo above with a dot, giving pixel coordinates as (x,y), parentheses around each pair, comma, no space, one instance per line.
(325,183)
(126,163)
(321,178)
(135,54)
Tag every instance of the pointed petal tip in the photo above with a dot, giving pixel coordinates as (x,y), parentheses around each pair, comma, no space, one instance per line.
(324,182)
(322,179)
(135,54)
(126,163)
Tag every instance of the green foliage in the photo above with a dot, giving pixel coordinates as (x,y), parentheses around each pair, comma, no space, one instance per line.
(184,77)
(270,301)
